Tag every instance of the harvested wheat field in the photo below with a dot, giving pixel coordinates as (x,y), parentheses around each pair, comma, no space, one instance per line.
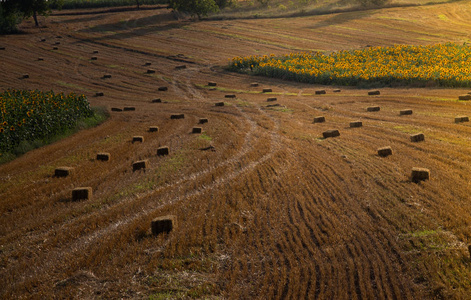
(258,205)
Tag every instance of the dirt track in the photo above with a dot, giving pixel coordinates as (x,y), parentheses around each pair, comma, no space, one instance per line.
(275,211)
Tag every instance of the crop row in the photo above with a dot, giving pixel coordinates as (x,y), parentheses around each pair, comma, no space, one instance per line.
(440,64)
(36,115)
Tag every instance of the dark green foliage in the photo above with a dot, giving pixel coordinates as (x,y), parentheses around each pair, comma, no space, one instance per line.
(373,2)
(197,8)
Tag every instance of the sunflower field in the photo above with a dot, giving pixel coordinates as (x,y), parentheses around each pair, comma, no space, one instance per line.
(447,65)
(36,115)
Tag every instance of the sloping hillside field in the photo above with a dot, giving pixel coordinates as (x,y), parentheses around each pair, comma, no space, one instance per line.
(270,200)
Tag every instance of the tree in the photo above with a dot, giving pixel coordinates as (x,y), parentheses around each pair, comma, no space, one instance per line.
(196,7)
(28,8)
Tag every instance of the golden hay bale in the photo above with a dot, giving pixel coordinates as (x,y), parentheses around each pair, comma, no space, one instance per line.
(330,133)
(419,174)
(319,119)
(55,48)
(138,165)
(163,88)
(177,116)
(461,119)
(419,137)
(385,151)
(153,129)
(212,83)
(150,71)
(230,96)
(320,92)
(266,90)
(99,94)
(147,64)
(163,224)
(107,76)
(25,76)
(180,67)
(129,108)
(94,58)
(203,120)
(373,108)
(465,97)
(158,100)
(162,151)
(137,138)
(197,130)
(116,109)
(103,156)
(219,104)
(63,171)
(356,124)
(254,84)
(271,99)
(405,112)
(337,91)
(82,193)
(371,93)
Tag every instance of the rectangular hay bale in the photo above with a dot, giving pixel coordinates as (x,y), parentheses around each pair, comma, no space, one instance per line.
(164,224)
(177,116)
(419,137)
(461,119)
(356,124)
(103,156)
(82,193)
(373,108)
(116,109)
(271,99)
(385,151)
(405,112)
(230,96)
(212,83)
(320,92)
(162,151)
(158,100)
(138,165)
(319,119)
(150,71)
(197,130)
(129,108)
(464,97)
(372,93)
(163,88)
(420,174)
(267,90)
(138,138)
(63,171)
(219,104)
(331,133)
(153,129)
(202,121)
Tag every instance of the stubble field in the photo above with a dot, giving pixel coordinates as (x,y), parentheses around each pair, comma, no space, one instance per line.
(273,210)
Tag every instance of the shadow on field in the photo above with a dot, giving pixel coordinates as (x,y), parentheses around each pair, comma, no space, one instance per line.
(344,17)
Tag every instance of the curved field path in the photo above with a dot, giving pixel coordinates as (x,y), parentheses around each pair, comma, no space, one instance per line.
(266,207)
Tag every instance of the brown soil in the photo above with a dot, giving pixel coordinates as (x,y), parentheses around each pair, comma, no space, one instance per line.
(266,207)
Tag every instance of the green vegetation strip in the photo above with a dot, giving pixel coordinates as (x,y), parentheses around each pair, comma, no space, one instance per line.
(446,65)
(30,119)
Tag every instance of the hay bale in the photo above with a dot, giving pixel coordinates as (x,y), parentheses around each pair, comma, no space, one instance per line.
(55,48)
(158,100)
(461,119)
(180,67)
(150,71)
(95,51)
(94,58)
(372,93)
(330,133)
(197,130)
(25,76)
(40,59)
(138,165)
(129,108)
(107,76)
(254,84)
(116,109)
(82,193)
(58,37)
(319,119)
(103,156)
(153,129)
(177,116)
(219,104)
(147,64)
(163,88)
(419,137)
(320,92)
(99,94)
(230,96)
(337,91)
(373,108)
(2,48)
(274,105)
(43,40)
(161,151)
(266,90)
(137,138)
(57,43)
(356,124)
(271,99)
(212,83)
(63,171)
(163,224)
(465,97)
(420,174)
(385,151)
(405,112)
(202,121)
